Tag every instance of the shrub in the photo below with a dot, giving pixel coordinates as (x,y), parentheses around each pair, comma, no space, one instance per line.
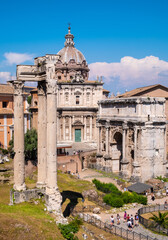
(106,187)
(143,200)
(68,230)
(113,201)
(128,197)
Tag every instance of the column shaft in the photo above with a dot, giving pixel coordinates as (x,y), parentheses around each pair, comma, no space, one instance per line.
(51,137)
(42,135)
(19,159)
(90,128)
(107,140)
(123,144)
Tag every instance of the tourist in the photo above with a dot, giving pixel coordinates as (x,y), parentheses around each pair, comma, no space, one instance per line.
(136,219)
(118,219)
(165,204)
(125,216)
(129,224)
(167,192)
(128,218)
(152,197)
(112,220)
(132,220)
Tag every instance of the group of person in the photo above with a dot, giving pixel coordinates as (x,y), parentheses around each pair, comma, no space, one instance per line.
(131,220)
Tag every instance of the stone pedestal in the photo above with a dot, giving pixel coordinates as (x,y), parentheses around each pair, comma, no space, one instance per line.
(19,159)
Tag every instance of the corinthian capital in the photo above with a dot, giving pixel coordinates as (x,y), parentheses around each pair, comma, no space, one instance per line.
(18,87)
(51,86)
(41,88)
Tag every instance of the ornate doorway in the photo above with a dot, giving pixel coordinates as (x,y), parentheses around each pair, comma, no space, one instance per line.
(77,135)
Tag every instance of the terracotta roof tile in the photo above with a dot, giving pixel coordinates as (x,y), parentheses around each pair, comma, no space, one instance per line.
(136,91)
(6,111)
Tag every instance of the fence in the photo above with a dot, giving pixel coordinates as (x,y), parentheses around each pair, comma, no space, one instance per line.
(149,223)
(118,231)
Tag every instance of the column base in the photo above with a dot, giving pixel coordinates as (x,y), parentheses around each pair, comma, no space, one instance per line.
(19,187)
(40,185)
(53,201)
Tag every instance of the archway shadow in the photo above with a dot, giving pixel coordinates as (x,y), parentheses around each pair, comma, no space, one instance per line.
(73,197)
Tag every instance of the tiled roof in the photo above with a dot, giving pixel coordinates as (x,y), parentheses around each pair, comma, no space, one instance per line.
(139,187)
(6,111)
(8,89)
(104,90)
(136,91)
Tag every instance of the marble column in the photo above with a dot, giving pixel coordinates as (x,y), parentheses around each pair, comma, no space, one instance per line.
(19,158)
(70,128)
(123,144)
(135,144)
(85,128)
(100,139)
(42,135)
(107,140)
(90,128)
(51,137)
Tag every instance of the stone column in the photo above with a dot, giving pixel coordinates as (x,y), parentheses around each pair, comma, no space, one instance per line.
(135,144)
(42,135)
(51,137)
(100,138)
(63,127)
(85,128)
(107,140)
(19,159)
(90,128)
(53,197)
(70,128)
(123,143)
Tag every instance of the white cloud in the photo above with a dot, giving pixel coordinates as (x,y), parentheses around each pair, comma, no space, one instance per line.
(5,76)
(131,71)
(17,58)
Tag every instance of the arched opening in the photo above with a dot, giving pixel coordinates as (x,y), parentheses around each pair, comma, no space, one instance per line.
(117,151)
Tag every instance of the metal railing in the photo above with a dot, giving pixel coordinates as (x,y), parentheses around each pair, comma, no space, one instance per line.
(149,223)
(118,231)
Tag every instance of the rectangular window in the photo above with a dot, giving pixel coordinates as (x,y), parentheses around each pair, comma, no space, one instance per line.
(77,100)
(4,104)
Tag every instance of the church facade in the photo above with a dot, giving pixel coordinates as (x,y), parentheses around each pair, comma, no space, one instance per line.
(77,97)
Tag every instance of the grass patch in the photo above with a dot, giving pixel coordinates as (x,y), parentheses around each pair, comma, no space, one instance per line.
(71,183)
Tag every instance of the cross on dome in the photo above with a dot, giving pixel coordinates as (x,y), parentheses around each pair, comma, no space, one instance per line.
(69,38)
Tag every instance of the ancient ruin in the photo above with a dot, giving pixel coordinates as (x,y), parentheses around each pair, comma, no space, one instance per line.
(42,72)
(132,137)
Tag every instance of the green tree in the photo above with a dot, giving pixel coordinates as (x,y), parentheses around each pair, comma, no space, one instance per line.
(29,99)
(161,219)
(30,139)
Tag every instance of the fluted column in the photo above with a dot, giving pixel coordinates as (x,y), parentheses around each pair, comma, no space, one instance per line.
(70,128)
(85,129)
(135,144)
(90,128)
(42,135)
(19,159)
(107,140)
(51,137)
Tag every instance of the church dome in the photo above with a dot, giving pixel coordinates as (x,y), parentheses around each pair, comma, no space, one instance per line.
(69,51)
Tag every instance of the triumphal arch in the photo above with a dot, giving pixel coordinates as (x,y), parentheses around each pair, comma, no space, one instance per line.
(43,72)
(132,137)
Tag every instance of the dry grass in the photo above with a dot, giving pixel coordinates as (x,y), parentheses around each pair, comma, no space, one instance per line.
(148,215)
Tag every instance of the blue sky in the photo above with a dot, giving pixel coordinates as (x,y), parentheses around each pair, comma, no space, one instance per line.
(125,41)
